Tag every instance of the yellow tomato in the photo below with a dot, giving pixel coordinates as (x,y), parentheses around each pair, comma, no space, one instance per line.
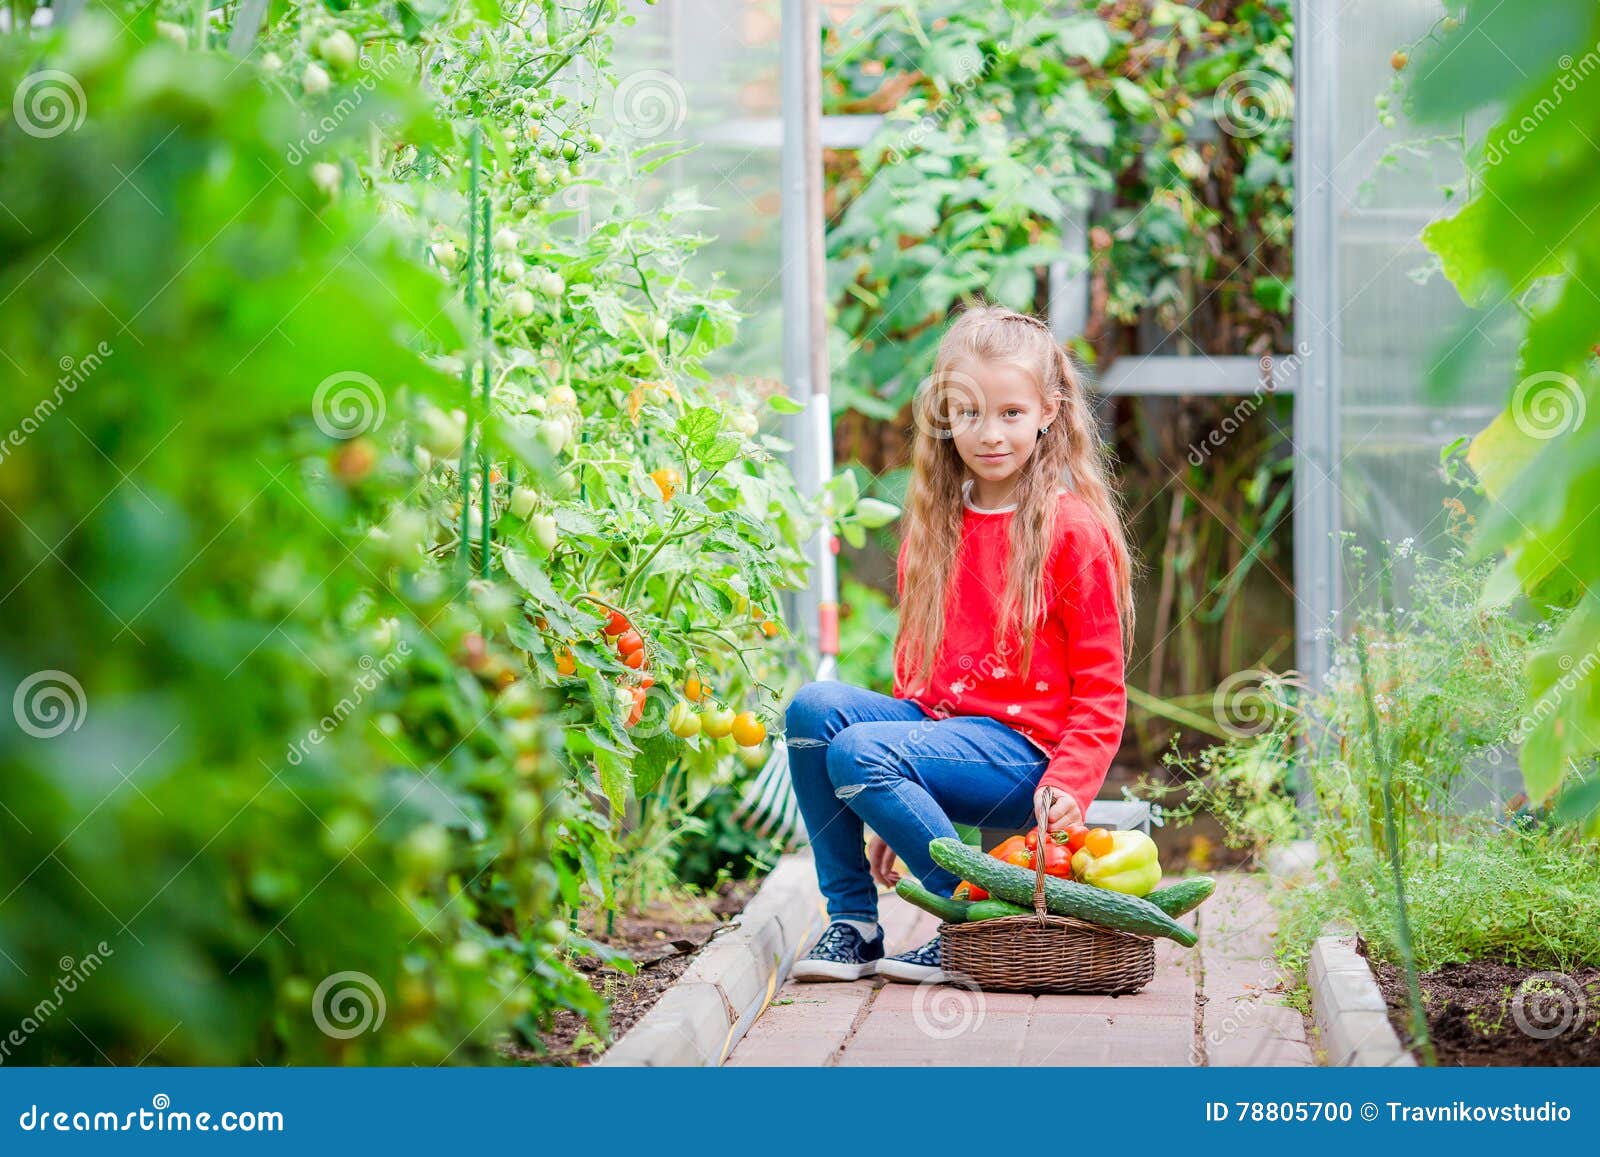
(747,730)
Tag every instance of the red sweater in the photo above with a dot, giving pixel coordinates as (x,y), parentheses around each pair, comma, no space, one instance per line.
(1071,702)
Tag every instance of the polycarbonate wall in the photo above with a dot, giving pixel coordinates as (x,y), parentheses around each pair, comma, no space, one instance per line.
(1396,311)
(1390,315)
(705,72)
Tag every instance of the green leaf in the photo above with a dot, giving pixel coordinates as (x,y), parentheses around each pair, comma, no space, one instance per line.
(1084,36)
(615,779)
(655,756)
(852,533)
(721,451)
(784,404)
(699,426)
(873,513)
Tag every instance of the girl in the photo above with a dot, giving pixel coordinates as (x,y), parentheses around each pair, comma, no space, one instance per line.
(1015,597)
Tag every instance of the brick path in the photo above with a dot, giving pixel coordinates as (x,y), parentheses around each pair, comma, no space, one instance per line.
(1219,1003)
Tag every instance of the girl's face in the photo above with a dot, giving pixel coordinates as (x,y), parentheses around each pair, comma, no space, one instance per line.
(996,412)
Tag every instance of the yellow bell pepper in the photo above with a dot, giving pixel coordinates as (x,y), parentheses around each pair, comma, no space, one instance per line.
(1131,867)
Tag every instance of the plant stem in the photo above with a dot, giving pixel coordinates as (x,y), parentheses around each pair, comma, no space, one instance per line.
(464,557)
(1419,1017)
(483,443)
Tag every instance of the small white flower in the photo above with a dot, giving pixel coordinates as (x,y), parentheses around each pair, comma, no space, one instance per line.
(1014,709)
(958,687)
(1000,672)
(1041,685)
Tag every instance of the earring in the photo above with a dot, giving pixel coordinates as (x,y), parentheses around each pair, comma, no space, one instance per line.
(1043,430)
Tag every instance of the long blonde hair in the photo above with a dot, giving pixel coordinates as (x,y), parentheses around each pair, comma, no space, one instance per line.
(1069,452)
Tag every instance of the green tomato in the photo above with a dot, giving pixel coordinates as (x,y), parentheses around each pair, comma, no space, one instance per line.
(517,700)
(506,240)
(523,501)
(445,253)
(176,33)
(338,48)
(683,720)
(520,304)
(545,531)
(513,270)
(442,434)
(659,328)
(315,80)
(563,398)
(565,483)
(522,734)
(717,722)
(555,433)
(425,852)
(753,757)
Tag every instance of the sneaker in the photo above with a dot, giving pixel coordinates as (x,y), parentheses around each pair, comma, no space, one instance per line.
(917,965)
(840,953)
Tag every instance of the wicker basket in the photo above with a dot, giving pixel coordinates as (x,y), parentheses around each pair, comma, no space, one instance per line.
(1045,952)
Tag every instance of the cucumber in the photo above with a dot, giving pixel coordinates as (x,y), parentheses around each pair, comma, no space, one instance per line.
(994,909)
(1063,897)
(948,910)
(1184,896)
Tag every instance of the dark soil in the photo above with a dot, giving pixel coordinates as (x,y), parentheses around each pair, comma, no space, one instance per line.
(1473,1013)
(661,940)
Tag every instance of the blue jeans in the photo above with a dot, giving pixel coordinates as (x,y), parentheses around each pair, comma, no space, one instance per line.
(857,757)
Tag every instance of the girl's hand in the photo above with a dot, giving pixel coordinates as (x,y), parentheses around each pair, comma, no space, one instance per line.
(1064,810)
(881,857)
